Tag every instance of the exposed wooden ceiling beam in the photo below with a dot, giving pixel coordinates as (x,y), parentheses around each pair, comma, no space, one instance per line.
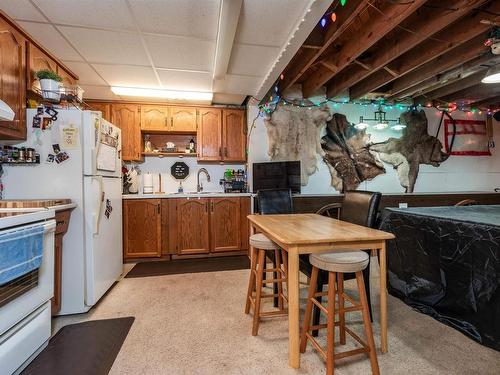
(455,57)
(454,86)
(490,101)
(426,21)
(374,29)
(431,87)
(473,94)
(345,15)
(455,35)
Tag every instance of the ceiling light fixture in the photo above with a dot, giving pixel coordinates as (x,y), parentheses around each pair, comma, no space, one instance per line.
(492,75)
(398,126)
(381,121)
(159,93)
(361,125)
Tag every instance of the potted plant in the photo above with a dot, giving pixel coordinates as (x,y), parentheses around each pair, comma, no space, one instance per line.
(50,84)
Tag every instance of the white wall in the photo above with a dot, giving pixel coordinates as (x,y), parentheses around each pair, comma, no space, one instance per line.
(458,173)
(162,165)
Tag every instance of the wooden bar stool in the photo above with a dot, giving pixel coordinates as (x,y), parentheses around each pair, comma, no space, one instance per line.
(259,245)
(336,264)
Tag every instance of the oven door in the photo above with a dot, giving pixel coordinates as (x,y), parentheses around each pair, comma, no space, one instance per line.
(18,308)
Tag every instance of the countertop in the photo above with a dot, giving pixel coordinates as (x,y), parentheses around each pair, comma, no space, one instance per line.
(215,194)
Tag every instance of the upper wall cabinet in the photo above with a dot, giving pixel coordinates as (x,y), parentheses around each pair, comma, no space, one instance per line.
(157,118)
(209,134)
(104,108)
(127,117)
(12,80)
(221,135)
(233,135)
(37,60)
(68,79)
(183,119)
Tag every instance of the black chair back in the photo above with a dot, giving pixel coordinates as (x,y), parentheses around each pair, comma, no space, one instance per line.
(275,201)
(360,207)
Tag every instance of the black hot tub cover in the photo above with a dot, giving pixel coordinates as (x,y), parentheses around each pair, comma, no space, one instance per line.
(445,262)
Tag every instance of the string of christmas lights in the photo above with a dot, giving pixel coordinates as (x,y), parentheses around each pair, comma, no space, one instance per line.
(271,104)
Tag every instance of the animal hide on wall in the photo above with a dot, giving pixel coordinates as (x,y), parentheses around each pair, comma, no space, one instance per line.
(415,147)
(347,156)
(294,134)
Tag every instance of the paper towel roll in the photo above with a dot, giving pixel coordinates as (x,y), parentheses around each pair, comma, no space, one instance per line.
(156,182)
(147,180)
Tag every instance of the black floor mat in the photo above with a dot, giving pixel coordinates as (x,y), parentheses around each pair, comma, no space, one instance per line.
(174,267)
(82,349)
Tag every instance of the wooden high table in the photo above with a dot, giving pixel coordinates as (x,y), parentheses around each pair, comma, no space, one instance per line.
(312,233)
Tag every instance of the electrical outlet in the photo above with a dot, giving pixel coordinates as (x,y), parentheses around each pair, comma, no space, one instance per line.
(403,205)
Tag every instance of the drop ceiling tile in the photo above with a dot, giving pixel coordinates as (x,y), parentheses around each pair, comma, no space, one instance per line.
(109,14)
(228,99)
(178,17)
(242,85)
(267,22)
(50,38)
(87,75)
(251,60)
(99,46)
(127,75)
(186,81)
(181,53)
(21,10)
(98,92)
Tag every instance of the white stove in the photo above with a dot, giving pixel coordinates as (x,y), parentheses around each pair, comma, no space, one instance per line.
(25,319)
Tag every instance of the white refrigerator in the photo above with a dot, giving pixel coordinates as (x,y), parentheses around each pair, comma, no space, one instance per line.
(92,257)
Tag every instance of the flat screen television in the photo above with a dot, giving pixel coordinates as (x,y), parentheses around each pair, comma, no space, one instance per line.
(276,175)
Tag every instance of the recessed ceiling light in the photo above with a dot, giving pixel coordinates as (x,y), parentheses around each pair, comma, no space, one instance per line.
(166,94)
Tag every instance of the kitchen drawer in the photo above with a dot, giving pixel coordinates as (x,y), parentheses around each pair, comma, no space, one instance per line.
(25,339)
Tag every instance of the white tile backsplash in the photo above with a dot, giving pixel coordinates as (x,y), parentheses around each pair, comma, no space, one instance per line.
(170,185)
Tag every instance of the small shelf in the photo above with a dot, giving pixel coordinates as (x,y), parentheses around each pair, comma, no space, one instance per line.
(167,154)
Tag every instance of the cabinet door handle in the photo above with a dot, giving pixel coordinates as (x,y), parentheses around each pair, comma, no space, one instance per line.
(212,204)
(206,207)
(158,207)
(225,151)
(166,122)
(172,122)
(220,151)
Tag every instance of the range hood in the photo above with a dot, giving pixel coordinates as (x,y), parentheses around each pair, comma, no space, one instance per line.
(6,113)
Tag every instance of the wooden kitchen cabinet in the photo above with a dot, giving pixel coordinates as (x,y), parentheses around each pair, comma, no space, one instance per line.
(142,228)
(233,135)
(183,119)
(67,79)
(221,135)
(154,118)
(225,226)
(37,60)
(104,108)
(127,117)
(192,226)
(13,80)
(209,134)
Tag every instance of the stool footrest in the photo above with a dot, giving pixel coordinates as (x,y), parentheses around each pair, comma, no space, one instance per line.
(316,345)
(351,352)
(273,313)
(320,306)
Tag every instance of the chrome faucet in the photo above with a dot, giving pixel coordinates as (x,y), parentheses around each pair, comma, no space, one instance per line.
(199,186)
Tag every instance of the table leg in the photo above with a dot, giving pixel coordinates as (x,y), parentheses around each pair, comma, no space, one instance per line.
(293,309)
(383,299)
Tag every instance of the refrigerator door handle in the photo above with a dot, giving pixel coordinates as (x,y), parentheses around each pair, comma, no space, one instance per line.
(96,215)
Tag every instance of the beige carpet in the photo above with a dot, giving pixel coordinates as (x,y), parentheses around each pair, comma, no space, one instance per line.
(194,324)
